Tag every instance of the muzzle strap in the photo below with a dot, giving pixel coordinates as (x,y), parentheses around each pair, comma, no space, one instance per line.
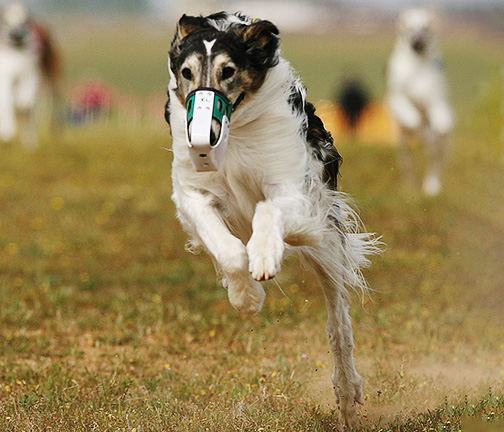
(238,101)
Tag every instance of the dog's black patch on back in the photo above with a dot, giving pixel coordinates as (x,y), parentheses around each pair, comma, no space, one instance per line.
(319,139)
(167,109)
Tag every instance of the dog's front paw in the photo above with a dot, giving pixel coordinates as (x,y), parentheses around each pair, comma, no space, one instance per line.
(265,255)
(245,295)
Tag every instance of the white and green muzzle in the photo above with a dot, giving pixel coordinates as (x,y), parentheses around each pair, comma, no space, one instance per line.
(207,107)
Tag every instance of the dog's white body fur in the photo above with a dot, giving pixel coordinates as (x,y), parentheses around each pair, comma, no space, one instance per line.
(21,76)
(418,96)
(266,200)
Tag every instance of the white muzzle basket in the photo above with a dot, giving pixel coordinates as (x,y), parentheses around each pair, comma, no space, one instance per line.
(204,105)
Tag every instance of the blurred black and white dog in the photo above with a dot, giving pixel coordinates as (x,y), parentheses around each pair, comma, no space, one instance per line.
(27,59)
(275,188)
(418,95)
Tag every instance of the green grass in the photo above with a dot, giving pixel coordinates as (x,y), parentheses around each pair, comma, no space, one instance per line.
(107,324)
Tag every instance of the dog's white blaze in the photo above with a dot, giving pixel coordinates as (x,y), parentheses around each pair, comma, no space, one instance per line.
(209,45)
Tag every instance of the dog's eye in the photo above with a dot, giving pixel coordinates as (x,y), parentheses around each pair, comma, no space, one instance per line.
(186,73)
(227,72)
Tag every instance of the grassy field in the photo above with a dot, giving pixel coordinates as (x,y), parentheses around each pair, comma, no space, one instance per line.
(107,324)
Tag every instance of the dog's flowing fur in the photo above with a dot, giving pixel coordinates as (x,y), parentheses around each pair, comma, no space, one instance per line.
(418,95)
(275,191)
(27,59)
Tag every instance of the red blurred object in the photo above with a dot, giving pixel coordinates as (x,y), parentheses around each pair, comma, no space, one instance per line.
(90,100)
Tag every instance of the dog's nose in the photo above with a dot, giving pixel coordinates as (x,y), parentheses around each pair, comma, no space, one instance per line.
(18,36)
(213,138)
(215,132)
(418,43)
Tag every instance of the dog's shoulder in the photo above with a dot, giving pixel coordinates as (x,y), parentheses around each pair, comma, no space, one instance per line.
(317,137)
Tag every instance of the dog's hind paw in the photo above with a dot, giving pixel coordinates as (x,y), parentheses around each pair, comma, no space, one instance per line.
(265,255)
(431,186)
(347,403)
(348,412)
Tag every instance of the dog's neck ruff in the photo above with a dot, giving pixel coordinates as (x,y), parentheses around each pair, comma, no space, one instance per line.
(203,106)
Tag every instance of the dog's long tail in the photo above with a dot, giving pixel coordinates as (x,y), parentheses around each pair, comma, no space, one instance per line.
(345,248)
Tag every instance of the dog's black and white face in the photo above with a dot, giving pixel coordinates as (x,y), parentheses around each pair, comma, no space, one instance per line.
(416,27)
(14,24)
(223,52)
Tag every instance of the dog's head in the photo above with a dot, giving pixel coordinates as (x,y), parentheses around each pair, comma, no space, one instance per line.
(230,54)
(14,27)
(417,28)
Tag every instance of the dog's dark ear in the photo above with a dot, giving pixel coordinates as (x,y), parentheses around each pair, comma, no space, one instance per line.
(261,38)
(187,26)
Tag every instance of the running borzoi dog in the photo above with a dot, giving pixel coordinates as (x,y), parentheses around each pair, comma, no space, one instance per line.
(418,96)
(27,57)
(254,174)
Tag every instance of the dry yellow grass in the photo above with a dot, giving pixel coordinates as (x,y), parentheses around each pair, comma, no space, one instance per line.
(106,323)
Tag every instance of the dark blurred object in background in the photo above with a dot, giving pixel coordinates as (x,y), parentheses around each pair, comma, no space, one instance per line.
(352,97)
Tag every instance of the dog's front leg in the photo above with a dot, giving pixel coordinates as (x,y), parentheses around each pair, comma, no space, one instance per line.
(276,219)
(197,211)
(266,246)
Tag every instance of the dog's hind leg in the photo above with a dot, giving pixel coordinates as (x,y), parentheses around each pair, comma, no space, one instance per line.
(406,161)
(409,120)
(347,382)
(28,128)
(26,97)
(434,146)
(436,142)
(8,125)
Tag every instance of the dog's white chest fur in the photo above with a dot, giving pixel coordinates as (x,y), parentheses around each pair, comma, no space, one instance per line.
(256,158)
(15,62)
(419,78)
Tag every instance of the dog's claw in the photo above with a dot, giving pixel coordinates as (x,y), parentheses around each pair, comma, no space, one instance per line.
(265,277)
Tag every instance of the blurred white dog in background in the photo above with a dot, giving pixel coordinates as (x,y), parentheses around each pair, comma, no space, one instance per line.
(418,96)
(27,58)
